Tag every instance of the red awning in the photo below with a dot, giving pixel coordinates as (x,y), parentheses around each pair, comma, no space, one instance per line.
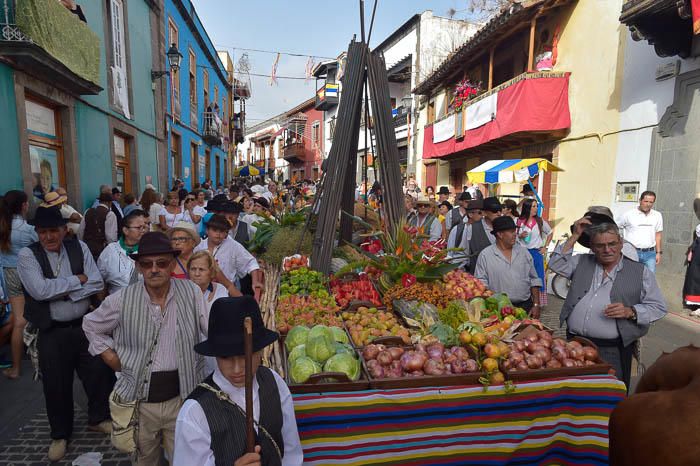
(532,104)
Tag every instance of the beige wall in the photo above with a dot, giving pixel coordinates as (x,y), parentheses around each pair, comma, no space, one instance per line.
(590,48)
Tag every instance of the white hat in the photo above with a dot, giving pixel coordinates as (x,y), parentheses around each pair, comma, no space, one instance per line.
(257,189)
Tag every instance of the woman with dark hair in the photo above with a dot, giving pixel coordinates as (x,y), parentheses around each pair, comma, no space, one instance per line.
(15,233)
(535,234)
(510,209)
(430,192)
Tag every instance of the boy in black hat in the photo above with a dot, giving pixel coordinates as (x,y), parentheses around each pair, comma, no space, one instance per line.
(210,428)
(476,235)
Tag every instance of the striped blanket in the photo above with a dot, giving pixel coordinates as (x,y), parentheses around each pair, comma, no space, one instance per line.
(547,422)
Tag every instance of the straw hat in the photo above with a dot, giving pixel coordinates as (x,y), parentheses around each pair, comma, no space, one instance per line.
(53,199)
(422,199)
(186,227)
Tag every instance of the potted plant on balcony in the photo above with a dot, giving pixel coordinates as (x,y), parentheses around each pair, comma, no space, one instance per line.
(465,90)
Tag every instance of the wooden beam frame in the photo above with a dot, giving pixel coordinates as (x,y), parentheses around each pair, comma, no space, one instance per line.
(531,49)
(491,52)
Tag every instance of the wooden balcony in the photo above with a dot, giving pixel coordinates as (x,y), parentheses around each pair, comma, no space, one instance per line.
(327,96)
(211,129)
(45,40)
(294,152)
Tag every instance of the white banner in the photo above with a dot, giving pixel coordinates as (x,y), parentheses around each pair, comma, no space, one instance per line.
(444,129)
(482,112)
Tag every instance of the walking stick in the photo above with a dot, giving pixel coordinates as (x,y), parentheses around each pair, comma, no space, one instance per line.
(248,348)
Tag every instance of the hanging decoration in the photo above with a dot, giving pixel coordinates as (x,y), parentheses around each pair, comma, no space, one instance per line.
(273,73)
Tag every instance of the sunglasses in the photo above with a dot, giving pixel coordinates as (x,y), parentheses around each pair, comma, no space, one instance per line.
(180,239)
(160,263)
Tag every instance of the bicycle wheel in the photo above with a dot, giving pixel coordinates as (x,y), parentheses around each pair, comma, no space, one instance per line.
(560,286)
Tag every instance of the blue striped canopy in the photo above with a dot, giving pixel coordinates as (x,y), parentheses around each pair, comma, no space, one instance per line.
(509,171)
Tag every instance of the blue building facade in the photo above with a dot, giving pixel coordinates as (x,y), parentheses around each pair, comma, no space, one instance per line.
(86,114)
(198,101)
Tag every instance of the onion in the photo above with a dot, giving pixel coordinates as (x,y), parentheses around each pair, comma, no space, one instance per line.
(544,335)
(558,342)
(460,352)
(417,373)
(519,345)
(532,337)
(377,372)
(471,365)
(577,354)
(533,347)
(546,343)
(553,364)
(370,352)
(385,358)
(522,366)
(559,353)
(544,354)
(434,367)
(578,363)
(590,353)
(517,356)
(533,362)
(394,372)
(448,357)
(435,351)
(372,363)
(507,364)
(412,361)
(574,344)
(568,363)
(588,363)
(396,352)
(420,347)
(459,366)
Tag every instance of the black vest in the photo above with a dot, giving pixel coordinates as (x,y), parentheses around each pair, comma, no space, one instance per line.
(227,422)
(242,233)
(39,312)
(478,242)
(626,289)
(457,218)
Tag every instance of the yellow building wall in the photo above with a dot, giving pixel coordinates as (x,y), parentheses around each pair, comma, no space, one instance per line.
(591,47)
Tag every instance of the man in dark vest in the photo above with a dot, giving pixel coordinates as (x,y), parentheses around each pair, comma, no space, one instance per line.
(116,207)
(99,226)
(210,428)
(455,216)
(477,236)
(59,276)
(612,300)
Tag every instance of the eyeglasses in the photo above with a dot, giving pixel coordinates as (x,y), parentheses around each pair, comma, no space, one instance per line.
(142,227)
(190,199)
(160,263)
(604,246)
(180,239)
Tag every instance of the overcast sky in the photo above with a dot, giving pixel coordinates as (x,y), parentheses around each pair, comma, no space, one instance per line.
(321,28)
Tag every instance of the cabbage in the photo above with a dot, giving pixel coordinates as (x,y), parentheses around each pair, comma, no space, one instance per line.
(320,348)
(339,335)
(296,336)
(303,368)
(344,348)
(321,330)
(296,353)
(344,363)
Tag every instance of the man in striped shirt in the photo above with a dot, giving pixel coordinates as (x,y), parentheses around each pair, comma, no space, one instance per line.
(145,333)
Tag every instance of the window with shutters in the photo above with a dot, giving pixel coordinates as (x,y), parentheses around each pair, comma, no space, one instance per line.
(173,38)
(315,134)
(193,89)
(118,68)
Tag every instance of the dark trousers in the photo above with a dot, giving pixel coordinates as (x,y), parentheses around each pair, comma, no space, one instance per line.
(616,354)
(527,305)
(247,285)
(63,349)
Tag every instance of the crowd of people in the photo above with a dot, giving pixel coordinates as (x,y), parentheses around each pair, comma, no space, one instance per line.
(124,294)
(143,297)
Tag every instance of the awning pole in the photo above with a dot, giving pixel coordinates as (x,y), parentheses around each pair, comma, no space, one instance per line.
(537,196)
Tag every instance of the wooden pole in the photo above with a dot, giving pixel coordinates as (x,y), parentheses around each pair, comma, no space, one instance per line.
(248,348)
(531,50)
(491,68)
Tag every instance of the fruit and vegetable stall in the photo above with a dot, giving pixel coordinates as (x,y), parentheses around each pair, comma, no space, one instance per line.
(398,357)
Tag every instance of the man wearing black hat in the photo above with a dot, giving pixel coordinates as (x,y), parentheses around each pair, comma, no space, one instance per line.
(507,267)
(211,430)
(443,194)
(473,214)
(455,216)
(146,332)
(477,236)
(612,299)
(59,276)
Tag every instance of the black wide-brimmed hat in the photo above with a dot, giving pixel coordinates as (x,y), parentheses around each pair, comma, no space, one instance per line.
(492,204)
(444,190)
(503,224)
(476,204)
(48,217)
(226,334)
(596,218)
(464,196)
(213,206)
(154,243)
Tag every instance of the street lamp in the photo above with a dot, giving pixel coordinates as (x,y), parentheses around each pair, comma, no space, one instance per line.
(174,57)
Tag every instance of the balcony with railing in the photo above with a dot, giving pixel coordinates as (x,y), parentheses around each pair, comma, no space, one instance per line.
(327,96)
(529,109)
(211,129)
(294,152)
(44,39)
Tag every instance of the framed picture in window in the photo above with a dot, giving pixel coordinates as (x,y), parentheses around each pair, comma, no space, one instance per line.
(45,169)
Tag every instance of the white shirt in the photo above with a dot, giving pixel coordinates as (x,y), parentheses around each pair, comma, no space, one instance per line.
(66,212)
(201,211)
(153,214)
(115,267)
(248,219)
(640,229)
(193,437)
(183,216)
(534,239)
(435,227)
(233,259)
